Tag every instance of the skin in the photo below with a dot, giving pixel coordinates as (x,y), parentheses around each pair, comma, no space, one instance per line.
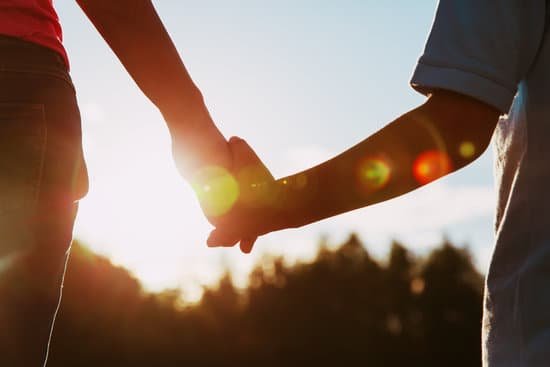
(444,122)
(137,36)
(457,127)
(135,33)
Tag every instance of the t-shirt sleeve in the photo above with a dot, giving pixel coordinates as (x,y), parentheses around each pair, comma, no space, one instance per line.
(481,48)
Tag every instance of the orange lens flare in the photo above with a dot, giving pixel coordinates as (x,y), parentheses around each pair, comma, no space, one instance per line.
(430,166)
(374,173)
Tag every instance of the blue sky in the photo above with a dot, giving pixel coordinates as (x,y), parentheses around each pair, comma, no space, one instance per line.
(301,81)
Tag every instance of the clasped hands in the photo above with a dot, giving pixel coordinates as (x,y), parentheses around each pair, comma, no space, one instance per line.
(239,197)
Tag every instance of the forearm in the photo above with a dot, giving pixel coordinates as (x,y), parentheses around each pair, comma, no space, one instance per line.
(135,33)
(393,161)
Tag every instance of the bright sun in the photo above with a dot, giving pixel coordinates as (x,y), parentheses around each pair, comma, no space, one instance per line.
(142,214)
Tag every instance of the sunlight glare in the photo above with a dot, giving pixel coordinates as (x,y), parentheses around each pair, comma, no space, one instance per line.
(256,189)
(430,166)
(216,189)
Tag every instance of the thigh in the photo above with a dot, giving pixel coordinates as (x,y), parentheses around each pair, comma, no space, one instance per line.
(22,153)
(42,176)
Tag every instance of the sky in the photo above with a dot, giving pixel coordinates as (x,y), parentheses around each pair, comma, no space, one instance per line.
(301,81)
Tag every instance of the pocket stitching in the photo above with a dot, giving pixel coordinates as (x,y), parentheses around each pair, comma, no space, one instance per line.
(38,174)
(44,144)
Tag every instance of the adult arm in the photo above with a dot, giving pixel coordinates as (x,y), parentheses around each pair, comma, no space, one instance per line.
(137,36)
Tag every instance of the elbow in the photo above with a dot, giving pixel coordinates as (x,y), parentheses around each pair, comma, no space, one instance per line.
(468,151)
(466,125)
(472,139)
(466,146)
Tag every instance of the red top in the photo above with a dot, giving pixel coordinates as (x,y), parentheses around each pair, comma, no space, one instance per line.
(34,21)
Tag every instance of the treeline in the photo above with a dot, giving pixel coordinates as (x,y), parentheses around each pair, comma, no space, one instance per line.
(343,309)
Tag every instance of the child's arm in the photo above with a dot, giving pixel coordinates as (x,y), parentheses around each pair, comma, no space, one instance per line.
(441,136)
(444,134)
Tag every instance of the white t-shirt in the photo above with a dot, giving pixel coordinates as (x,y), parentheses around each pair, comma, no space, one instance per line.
(495,50)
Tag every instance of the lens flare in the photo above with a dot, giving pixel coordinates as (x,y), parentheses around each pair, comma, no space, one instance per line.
(467,149)
(374,173)
(216,189)
(257,186)
(430,166)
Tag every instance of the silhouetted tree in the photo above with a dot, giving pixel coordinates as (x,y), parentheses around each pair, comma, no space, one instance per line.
(343,308)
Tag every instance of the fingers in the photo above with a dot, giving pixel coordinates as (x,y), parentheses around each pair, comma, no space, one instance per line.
(247,244)
(252,176)
(244,156)
(219,238)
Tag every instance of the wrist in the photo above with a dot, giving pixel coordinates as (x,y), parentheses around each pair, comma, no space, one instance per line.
(197,142)
(291,207)
(288,219)
(186,116)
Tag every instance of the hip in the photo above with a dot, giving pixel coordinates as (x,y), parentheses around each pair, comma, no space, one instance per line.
(42,168)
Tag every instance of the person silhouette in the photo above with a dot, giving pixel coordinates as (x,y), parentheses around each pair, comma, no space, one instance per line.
(482,60)
(42,170)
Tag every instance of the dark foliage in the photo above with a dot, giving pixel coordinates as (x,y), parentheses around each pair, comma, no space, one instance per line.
(342,309)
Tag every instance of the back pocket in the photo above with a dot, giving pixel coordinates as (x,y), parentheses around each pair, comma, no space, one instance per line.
(23,136)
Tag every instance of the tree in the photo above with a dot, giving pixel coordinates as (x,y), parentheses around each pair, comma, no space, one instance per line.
(343,308)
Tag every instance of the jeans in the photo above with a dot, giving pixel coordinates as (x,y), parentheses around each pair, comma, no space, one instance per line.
(42,177)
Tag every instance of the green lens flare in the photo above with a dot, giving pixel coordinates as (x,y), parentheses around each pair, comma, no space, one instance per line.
(374,173)
(467,149)
(216,189)
(257,186)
